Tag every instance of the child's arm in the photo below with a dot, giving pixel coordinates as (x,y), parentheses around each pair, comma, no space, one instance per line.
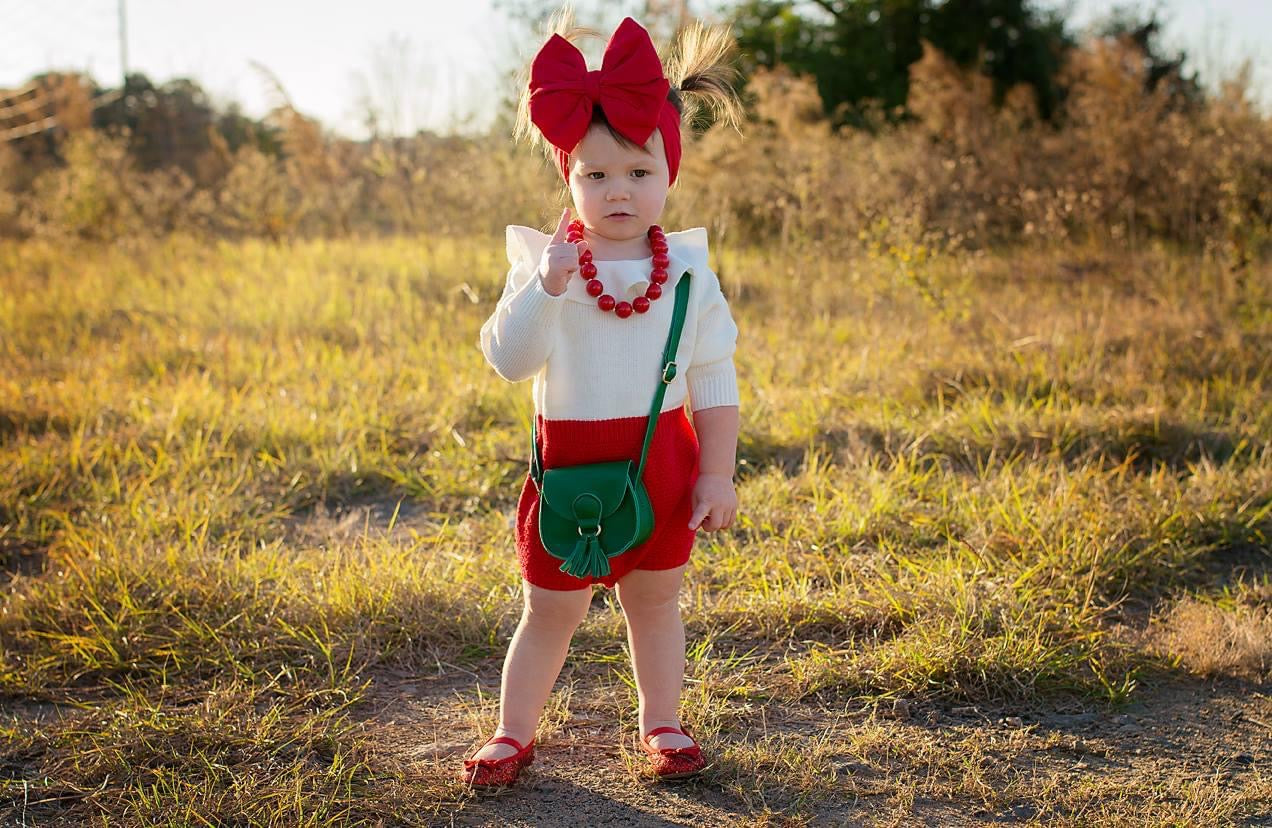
(713,393)
(518,335)
(714,500)
(717,429)
(517,338)
(711,378)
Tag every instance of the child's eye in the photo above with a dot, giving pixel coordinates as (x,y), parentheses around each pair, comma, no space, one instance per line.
(640,173)
(592,175)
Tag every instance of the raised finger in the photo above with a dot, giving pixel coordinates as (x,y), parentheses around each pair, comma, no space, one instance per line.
(563,227)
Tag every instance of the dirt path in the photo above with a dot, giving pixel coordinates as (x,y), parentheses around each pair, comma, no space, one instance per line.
(1185,752)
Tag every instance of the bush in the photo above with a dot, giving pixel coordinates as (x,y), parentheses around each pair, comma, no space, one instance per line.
(1126,163)
(1123,161)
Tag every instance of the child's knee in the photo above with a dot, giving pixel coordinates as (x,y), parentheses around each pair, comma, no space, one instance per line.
(650,591)
(555,609)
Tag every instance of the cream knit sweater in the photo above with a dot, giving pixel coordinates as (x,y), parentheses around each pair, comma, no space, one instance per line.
(591,365)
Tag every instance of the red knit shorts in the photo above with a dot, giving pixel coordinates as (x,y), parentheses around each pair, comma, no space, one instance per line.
(671,469)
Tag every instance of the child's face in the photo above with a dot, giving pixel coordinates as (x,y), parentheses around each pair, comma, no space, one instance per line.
(618,191)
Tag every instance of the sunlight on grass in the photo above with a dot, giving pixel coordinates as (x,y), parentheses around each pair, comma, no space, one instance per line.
(934,506)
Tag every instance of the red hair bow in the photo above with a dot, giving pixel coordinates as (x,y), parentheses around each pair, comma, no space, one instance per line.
(629,87)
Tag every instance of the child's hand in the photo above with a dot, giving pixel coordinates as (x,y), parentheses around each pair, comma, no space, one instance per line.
(715,500)
(560,258)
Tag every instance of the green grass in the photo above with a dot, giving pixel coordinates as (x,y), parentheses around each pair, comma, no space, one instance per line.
(958,480)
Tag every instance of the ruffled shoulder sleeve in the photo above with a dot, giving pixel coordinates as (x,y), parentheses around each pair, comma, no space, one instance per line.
(525,245)
(690,247)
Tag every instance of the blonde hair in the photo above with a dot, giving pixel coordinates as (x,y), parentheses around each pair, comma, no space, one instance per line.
(699,68)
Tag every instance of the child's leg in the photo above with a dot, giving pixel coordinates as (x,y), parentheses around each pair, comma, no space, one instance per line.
(651,601)
(535,655)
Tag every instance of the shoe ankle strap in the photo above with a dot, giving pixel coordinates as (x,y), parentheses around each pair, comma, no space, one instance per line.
(508,740)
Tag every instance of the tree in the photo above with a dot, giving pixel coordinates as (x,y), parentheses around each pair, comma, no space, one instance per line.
(1128,23)
(860,50)
(170,124)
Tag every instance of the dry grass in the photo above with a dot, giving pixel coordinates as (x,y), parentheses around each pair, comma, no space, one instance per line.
(1220,635)
(241,480)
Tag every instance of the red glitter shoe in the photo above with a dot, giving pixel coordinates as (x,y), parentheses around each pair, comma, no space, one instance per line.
(497,773)
(673,763)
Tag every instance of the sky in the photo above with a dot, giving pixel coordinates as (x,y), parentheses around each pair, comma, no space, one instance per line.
(444,62)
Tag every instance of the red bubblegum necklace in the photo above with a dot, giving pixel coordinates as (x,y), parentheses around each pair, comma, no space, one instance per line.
(657,277)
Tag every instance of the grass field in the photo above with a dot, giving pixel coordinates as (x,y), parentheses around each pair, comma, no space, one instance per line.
(1002,553)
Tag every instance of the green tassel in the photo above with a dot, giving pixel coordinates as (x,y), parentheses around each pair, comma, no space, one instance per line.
(576,562)
(587,558)
(600,561)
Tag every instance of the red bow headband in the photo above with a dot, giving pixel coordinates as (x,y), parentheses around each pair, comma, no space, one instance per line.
(629,87)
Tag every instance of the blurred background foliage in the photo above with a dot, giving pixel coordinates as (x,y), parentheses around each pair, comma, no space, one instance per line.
(968,122)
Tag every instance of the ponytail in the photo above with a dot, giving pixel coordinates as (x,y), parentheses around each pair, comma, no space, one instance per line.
(703,76)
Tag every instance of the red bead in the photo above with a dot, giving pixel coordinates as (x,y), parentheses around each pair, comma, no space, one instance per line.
(595,288)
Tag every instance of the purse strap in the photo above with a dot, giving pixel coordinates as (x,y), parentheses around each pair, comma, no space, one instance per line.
(668,374)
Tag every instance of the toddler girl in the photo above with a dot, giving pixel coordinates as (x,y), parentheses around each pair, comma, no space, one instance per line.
(586,314)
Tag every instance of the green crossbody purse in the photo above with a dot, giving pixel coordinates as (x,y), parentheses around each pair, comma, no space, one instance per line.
(591,512)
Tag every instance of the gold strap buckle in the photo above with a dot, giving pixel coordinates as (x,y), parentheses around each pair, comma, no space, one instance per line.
(669,372)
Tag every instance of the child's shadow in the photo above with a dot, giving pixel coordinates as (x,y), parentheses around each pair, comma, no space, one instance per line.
(549,798)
